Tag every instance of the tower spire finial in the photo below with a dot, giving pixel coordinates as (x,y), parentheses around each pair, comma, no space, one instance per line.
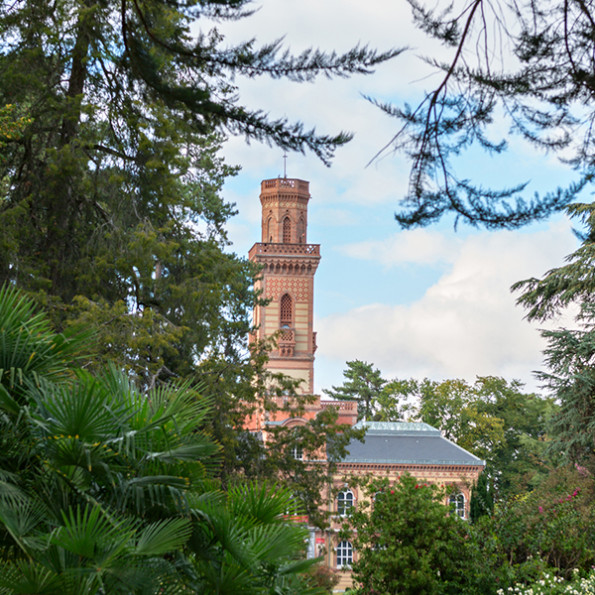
(284,165)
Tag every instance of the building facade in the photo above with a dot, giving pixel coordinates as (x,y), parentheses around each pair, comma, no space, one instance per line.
(288,264)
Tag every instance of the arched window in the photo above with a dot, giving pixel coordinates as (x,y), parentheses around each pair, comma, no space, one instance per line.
(344,554)
(344,502)
(457,504)
(286,310)
(287,230)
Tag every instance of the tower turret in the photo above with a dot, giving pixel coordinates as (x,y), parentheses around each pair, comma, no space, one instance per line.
(287,279)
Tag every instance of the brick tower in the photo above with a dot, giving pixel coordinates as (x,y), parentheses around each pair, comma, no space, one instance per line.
(287,279)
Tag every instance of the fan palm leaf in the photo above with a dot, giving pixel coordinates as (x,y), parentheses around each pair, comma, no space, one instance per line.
(29,349)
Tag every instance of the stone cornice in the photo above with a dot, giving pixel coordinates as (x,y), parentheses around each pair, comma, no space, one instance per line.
(410,467)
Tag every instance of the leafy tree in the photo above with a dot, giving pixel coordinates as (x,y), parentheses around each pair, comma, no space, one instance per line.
(492,418)
(522,65)
(111,213)
(571,377)
(572,283)
(495,420)
(291,454)
(10,125)
(105,489)
(407,542)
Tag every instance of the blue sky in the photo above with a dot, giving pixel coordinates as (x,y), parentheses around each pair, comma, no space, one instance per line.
(422,303)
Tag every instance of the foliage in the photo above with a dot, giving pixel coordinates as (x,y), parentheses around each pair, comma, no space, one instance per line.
(495,420)
(482,497)
(572,283)
(11,126)
(407,542)
(104,488)
(375,395)
(325,578)
(569,354)
(525,66)
(492,418)
(321,443)
(545,528)
(111,212)
(571,377)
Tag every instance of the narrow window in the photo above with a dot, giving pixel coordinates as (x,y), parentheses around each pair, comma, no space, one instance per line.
(269,233)
(301,231)
(344,502)
(344,554)
(286,313)
(298,453)
(457,504)
(287,230)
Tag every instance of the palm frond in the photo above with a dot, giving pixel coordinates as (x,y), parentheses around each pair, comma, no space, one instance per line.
(163,537)
(26,576)
(90,533)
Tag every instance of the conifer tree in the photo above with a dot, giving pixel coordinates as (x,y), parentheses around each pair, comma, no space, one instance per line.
(570,353)
(364,384)
(110,204)
(482,498)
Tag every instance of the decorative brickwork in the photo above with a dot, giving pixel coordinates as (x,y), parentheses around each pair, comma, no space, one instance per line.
(301,289)
(288,265)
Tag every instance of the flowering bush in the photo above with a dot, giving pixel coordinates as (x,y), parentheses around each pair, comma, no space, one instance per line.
(546,527)
(550,584)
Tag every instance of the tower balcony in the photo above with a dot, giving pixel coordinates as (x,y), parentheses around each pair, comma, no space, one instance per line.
(280,184)
(287,342)
(274,249)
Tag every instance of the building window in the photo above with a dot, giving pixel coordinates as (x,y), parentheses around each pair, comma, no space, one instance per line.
(344,554)
(286,313)
(457,504)
(344,502)
(297,453)
(269,233)
(301,230)
(287,230)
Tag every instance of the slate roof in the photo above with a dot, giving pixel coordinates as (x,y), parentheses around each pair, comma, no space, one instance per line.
(409,443)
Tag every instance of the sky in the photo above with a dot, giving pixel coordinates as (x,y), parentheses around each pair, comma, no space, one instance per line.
(431,302)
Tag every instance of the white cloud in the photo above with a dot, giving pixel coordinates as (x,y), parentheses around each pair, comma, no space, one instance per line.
(417,246)
(466,324)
